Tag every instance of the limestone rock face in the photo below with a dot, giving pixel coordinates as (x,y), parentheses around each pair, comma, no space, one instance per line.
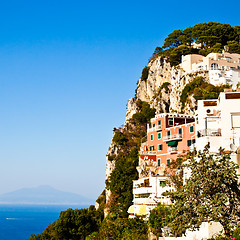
(164,86)
(162,90)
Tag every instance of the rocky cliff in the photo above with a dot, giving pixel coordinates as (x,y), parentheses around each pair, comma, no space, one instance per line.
(161,89)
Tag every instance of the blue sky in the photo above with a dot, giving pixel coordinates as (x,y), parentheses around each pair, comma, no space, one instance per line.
(67,69)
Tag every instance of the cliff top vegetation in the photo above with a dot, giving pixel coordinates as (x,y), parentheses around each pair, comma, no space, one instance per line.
(208,37)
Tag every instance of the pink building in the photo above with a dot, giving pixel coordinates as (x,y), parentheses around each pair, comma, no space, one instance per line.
(168,135)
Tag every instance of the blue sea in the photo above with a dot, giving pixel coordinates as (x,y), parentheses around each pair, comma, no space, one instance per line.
(18,222)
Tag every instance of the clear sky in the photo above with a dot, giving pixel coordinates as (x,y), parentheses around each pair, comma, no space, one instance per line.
(67,69)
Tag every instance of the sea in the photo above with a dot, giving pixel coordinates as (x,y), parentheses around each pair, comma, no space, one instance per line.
(18,222)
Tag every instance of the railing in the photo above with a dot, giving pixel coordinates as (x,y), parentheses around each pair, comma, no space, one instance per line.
(147,152)
(172,137)
(156,128)
(209,132)
(172,149)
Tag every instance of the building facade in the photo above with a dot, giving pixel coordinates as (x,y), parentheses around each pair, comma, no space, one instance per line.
(218,124)
(168,135)
(223,68)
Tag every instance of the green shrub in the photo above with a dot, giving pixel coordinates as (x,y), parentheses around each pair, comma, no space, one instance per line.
(123,228)
(145,113)
(119,138)
(145,72)
(200,90)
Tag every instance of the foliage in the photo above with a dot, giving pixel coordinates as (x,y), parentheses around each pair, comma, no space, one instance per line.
(120,184)
(174,54)
(210,37)
(144,114)
(119,138)
(200,89)
(145,73)
(210,194)
(159,217)
(72,224)
(123,228)
(165,86)
(175,171)
(120,180)
(206,34)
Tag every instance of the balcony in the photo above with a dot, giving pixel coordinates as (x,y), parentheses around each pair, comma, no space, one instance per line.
(209,132)
(173,150)
(172,137)
(156,128)
(143,190)
(147,152)
(144,201)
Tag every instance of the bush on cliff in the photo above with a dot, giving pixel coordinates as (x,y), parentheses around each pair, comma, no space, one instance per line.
(122,228)
(120,180)
(200,89)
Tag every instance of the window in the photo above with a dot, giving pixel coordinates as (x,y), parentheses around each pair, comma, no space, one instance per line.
(214,66)
(170,122)
(169,134)
(154,125)
(151,148)
(235,120)
(151,137)
(180,132)
(159,162)
(190,142)
(168,161)
(159,122)
(191,129)
(159,135)
(160,147)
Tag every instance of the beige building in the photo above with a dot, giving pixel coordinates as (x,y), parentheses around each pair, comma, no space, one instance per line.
(213,61)
(223,68)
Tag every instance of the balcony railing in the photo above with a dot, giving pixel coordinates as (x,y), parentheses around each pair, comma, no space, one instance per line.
(172,149)
(147,152)
(172,137)
(209,132)
(156,128)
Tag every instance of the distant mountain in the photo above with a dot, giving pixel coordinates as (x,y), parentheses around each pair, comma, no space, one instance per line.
(43,195)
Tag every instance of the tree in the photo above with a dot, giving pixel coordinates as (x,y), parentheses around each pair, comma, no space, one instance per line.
(72,224)
(122,228)
(159,217)
(211,36)
(210,194)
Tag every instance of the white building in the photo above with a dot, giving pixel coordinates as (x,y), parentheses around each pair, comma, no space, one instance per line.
(231,77)
(218,124)
(147,192)
(223,68)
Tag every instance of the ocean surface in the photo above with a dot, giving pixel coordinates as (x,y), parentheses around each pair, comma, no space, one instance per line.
(18,222)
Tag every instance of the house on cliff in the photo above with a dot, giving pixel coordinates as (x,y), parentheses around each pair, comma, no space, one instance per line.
(223,68)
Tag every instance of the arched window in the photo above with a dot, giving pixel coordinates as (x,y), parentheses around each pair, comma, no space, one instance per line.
(214,66)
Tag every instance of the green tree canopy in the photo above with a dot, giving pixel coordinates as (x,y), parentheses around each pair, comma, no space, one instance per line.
(72,224)
(210,194)
(211,37)
(159,217)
